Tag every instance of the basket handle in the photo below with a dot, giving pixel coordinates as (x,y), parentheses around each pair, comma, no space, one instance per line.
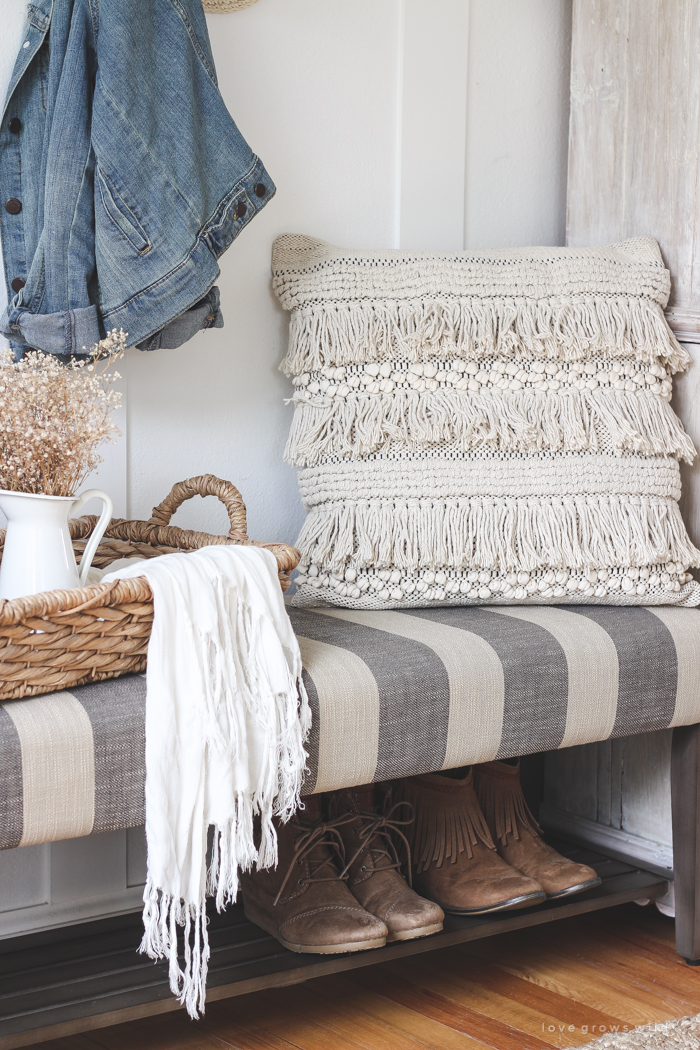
(205,485)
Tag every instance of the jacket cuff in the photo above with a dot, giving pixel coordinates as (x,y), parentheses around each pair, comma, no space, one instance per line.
(204,314)
(238,207)
(69,332)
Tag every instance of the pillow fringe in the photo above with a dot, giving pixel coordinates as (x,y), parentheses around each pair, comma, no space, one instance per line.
(510,421)
(575,328)
(575,532)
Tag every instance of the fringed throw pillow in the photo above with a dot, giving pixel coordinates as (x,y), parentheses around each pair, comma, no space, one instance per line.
(485,427)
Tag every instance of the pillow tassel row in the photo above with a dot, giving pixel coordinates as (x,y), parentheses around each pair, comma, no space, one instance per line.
(577,329)
(574,533)
(510,421)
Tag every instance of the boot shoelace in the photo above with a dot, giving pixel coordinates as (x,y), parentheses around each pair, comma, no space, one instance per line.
(321,833)
(384,827)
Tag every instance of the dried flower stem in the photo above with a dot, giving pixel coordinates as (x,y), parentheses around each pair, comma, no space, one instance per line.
(54,417)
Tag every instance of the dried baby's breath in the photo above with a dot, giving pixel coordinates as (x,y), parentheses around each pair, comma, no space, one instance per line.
(54,417)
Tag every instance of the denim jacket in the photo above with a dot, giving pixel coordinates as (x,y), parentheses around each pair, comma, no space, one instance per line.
(123,177)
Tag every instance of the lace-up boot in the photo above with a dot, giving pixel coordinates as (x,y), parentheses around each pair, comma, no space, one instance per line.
(305,902)
(373,867)
(518,837)
(454,860)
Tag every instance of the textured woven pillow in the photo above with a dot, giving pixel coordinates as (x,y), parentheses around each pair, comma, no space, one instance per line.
(485,427)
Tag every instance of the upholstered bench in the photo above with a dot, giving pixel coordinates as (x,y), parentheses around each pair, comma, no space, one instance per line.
(400,693)
(392,694)
(397,694)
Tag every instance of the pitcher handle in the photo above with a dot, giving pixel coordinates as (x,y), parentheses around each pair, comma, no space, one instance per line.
(97,532)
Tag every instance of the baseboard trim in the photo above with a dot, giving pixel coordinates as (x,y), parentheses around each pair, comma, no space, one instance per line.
(652,856)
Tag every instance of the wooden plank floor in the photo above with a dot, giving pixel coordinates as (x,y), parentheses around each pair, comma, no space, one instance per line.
(556,985)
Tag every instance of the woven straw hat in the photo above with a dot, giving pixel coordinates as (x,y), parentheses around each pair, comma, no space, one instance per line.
(227,5)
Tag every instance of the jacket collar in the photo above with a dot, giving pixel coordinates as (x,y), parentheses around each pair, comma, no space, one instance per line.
(38,21)
(39,14)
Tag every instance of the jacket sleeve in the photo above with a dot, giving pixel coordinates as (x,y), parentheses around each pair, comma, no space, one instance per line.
(175,181)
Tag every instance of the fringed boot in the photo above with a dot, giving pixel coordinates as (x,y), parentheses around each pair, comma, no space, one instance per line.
(305,902)
(454,860)
(518,837)
(373,867)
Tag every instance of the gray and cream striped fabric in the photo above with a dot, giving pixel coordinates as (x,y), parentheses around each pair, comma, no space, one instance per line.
(72,763)
(392,694)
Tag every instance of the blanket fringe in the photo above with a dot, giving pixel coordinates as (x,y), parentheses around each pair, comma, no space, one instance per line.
(511,421)
(574,328)
(162,915)
(233,849)
(528,533)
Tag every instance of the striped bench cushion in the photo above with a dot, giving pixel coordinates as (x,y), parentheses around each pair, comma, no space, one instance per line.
(392,694)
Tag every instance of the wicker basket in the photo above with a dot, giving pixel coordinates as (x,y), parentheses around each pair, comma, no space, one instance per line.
(215,6)
(61,639)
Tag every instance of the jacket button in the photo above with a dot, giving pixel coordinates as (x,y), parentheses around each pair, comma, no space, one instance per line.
(15,125)
(210,318)
(240,210)
(18,284)
(260,189)
(13,206)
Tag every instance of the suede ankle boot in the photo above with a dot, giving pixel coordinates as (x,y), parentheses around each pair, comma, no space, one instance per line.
(305,902)
(518,837)
(454,860)
(373,867)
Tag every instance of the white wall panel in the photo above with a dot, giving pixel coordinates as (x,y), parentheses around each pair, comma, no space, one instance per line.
(111,475)
(136,856)
(88,867)
(24,878)
(517,122)
(432,124)
(59,883)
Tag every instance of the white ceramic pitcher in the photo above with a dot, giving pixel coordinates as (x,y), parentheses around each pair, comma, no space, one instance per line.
(38,553)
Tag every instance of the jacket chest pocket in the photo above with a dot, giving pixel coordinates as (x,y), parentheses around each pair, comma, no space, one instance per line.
(121,214)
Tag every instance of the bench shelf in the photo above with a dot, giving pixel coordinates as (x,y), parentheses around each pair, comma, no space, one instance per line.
(89,976)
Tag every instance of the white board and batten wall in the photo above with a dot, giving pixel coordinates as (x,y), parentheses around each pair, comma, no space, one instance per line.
(384,123)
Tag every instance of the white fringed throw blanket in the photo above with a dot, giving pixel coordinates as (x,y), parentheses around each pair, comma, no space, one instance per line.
(226,719)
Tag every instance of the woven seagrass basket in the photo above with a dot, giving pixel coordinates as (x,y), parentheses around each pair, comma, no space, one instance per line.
(60,639)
